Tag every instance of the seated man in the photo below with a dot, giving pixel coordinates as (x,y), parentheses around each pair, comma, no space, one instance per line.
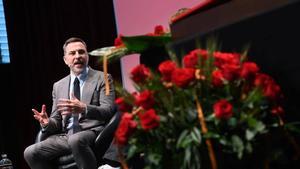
(80,110)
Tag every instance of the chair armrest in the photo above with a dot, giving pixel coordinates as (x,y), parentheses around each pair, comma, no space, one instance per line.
(106,136)
(109,129)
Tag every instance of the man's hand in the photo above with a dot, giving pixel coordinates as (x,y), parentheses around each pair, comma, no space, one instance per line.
(42,116)
(73,105)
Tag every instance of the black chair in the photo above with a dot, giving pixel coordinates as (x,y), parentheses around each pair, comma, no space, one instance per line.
(102,143)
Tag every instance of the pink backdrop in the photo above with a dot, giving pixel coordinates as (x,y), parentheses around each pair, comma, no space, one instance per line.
(137,17)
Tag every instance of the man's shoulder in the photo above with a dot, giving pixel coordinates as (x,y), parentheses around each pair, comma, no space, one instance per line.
(95,73)
(63,80)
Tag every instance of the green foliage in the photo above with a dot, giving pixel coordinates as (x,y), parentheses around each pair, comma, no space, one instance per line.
(133,44)
(138,44)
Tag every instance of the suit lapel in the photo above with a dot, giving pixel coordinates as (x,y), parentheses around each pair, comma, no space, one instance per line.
(89,87)
(63,91)
(65,88)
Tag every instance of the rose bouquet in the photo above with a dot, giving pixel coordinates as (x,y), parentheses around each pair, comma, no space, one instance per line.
(206,105)
(201,110)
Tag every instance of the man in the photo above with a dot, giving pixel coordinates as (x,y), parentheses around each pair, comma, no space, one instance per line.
(80,109)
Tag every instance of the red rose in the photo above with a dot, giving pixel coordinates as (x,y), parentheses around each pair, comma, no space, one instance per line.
(126,128)
(183,76)
(268,85)
(192,59)
(249,70)
(272,91)
(222,59)
(230,71)
(159,30)
(277,110)
(200,52)
(261,80)
(140,73)
(166,68)
(149,119)
(223,109)
(145,99)
(123,106)
(118,41)
(217,78)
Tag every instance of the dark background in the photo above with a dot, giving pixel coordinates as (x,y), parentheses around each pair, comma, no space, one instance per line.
(36,32)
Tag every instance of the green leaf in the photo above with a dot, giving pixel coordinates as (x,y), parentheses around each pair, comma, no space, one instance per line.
(163,118)
(260,127)
(141,43)
(232,122)
(186,142)
(249,147)
(224,141)
(238,145)
(154,158)
(210,134)
(131,151)
(294,127)
(196,135)
(181,138)
(210,117)
(250,134)
(256,126)
(187,156)
(254,96)
(196,163)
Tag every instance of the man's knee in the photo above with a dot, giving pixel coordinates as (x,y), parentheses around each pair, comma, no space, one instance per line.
(74,142)
(29,153)
(81,140)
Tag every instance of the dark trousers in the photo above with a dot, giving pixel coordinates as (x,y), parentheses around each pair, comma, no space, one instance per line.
(40,155)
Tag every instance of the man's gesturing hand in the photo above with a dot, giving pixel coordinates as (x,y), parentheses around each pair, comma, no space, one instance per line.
(73,105)
(42,116)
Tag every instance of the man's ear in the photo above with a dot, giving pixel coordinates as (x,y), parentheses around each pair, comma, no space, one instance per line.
(65,60)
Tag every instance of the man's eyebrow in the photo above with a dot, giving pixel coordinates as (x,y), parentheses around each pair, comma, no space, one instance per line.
(78,50)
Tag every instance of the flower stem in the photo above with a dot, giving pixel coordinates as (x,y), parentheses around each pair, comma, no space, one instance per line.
(121,158)
(105,75)
(204,130)
(134,112)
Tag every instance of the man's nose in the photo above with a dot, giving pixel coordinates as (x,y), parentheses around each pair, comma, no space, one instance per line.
(77,54)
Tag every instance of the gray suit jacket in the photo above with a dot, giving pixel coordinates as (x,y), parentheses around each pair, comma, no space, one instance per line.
(99,106)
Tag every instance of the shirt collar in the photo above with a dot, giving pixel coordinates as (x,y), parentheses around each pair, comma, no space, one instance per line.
(82,76)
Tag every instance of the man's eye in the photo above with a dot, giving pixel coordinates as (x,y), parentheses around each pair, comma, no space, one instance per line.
(81,52)
(72,53)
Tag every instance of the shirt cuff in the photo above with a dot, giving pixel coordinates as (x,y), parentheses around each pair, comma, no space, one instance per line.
(44,127)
